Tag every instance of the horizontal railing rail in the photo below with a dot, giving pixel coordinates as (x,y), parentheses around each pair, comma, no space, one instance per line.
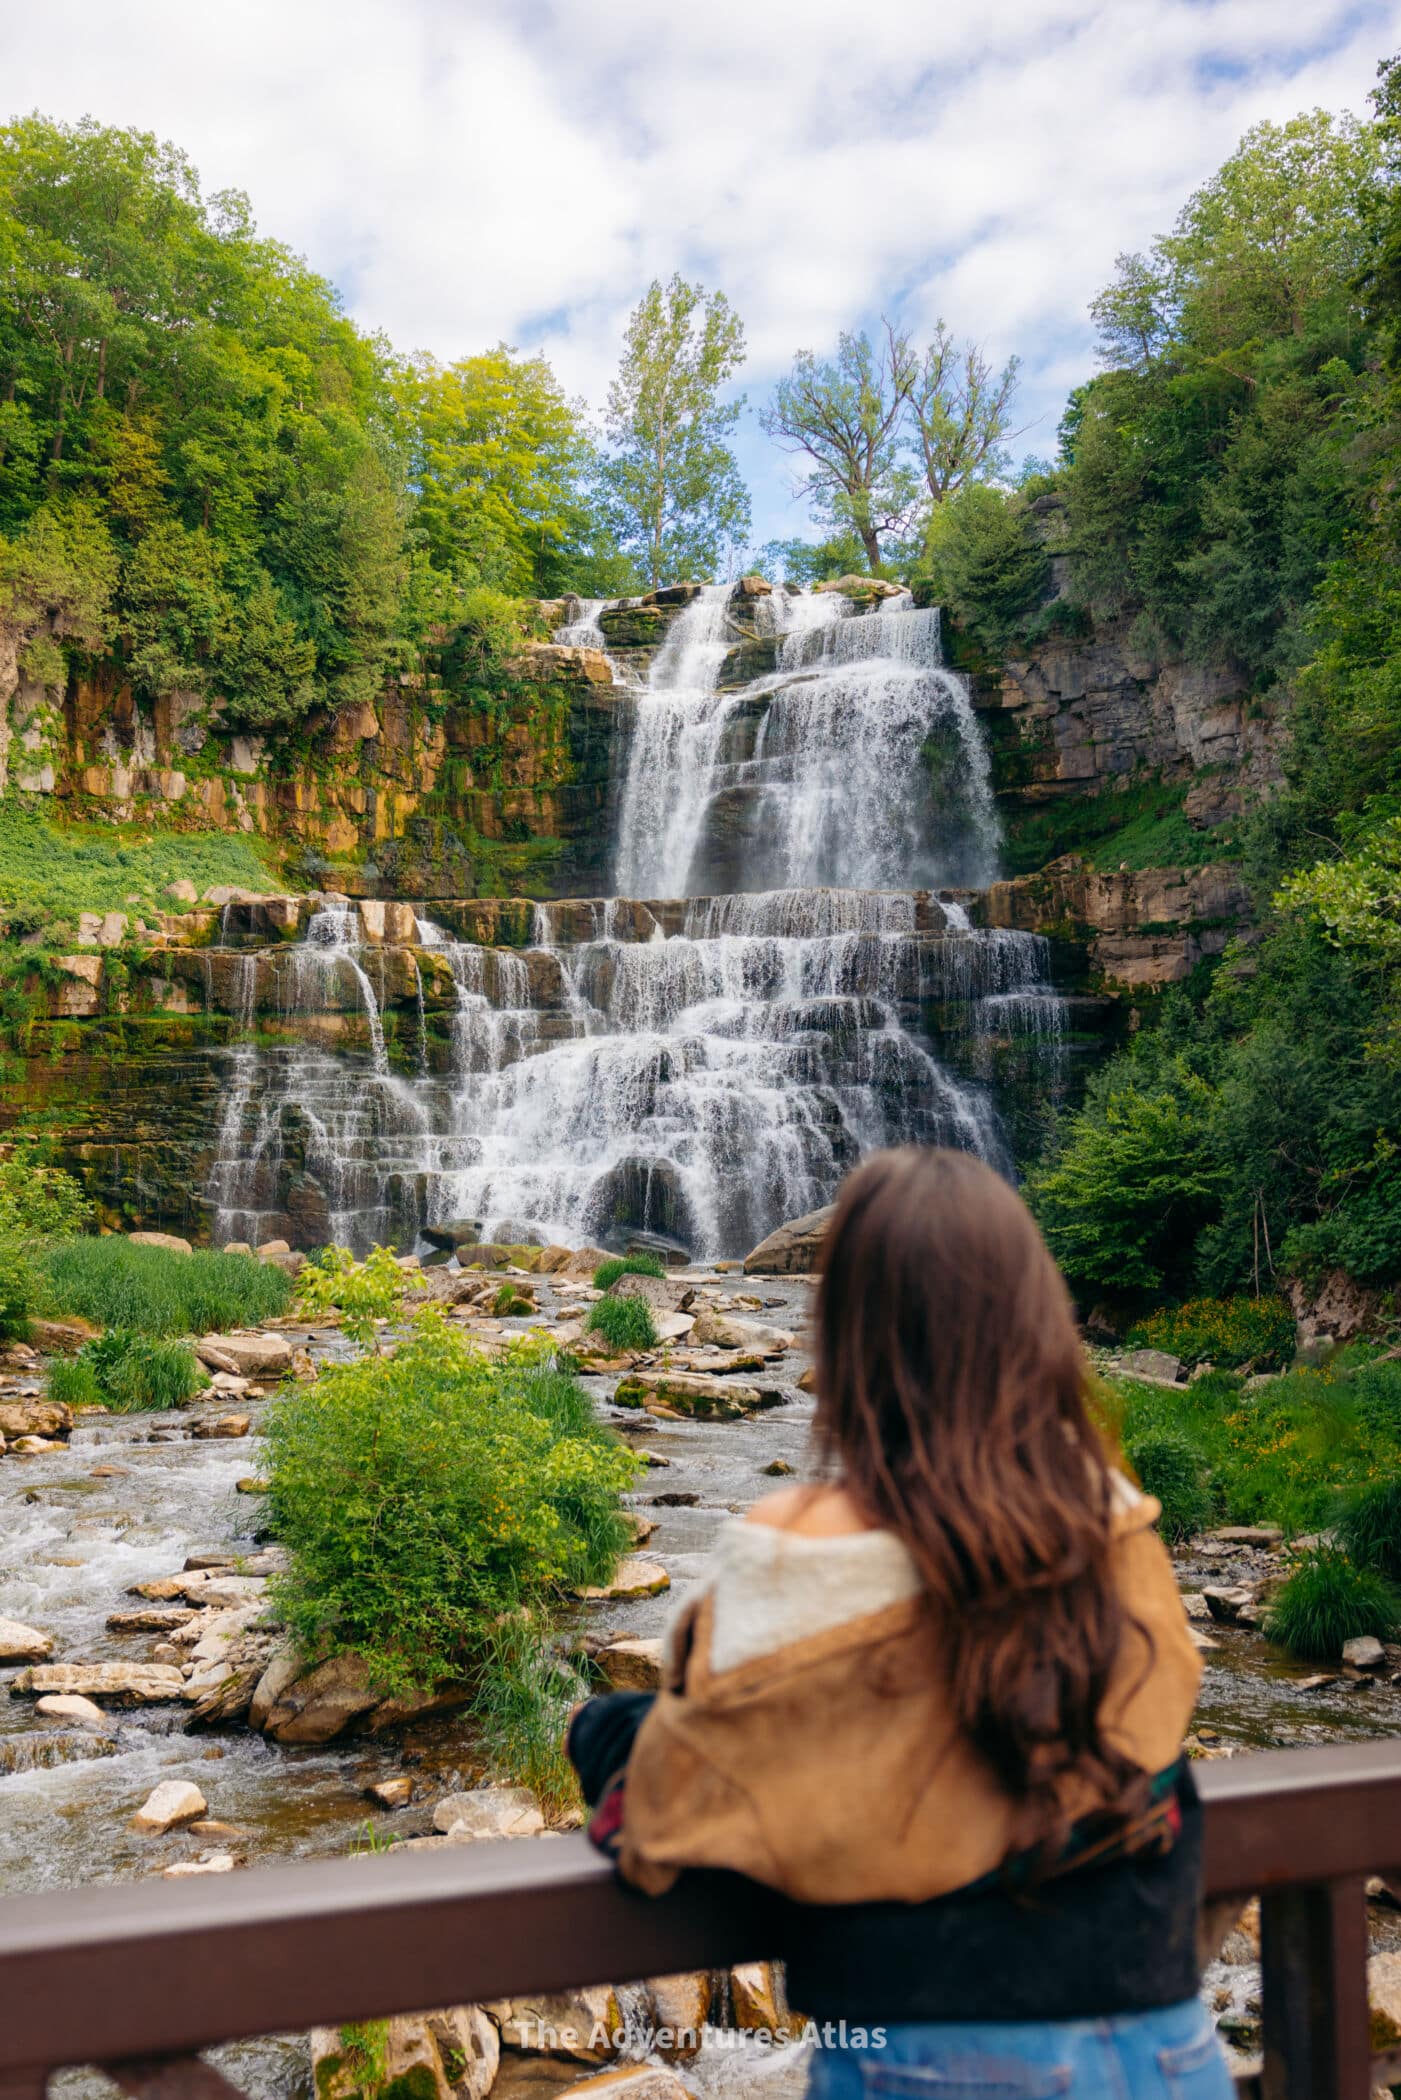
(124,1975)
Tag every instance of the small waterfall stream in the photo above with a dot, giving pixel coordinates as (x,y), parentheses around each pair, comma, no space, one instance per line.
(690,1063)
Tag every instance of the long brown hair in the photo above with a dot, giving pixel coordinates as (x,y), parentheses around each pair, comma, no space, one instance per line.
(952,1397)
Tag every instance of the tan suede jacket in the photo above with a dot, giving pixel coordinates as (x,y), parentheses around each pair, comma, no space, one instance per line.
(831,1769)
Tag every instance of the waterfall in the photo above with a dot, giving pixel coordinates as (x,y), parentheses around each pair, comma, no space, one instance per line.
(688,1059)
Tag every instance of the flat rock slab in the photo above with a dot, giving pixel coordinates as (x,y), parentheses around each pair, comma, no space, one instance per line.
(129,1684)
(1247,1534)
(687,1393)
(634,1577)
(23,1644)
(156,1618)
(223,1426)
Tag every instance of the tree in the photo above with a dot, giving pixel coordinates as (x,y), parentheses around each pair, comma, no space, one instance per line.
(846,418)
(960,411)
(670,483)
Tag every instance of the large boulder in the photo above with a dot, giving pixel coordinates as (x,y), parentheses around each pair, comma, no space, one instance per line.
(448,2055)
(457,1232)
(793,1249)
(659,1292)
(716,1330)
(171,1241)
(246,1355)
(34,1418)
(585,2024)
(294,1702)
(633,1577)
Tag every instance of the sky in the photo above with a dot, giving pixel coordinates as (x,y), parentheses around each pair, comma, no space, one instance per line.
(469,173)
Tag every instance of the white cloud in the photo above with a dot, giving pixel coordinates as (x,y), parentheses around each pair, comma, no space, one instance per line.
(469,171)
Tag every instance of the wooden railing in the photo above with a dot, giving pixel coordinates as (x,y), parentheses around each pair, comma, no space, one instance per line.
(139,1979)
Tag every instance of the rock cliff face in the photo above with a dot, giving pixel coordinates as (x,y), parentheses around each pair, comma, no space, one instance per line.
(1079,716)
(1140,929)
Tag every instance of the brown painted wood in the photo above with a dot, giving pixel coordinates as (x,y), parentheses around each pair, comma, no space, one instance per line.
(1313,1960)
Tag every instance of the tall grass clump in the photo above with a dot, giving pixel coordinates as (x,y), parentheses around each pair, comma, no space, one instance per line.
(1170,1466)
(157,1290)
(608,1272)
(37,1205)
(1225,1331)
(137,1372)
(522,1711)
(423,1496)
(1329,1600)
(1369,1526)
(624,1323)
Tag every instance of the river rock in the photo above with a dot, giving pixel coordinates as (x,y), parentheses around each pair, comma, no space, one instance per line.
(489,1812)
(793,1249)
(46,1418)
(755,1998)
(391,1793)
(223,1426)
(171,1241)
(295,1705)
(157,1618)
(166,1807)
(35,1446)
(657,1291)
(1365,1652)
(216,1863)
(448,2055)
(633,1577)
(23,1644)
(677,2010)
(585,2024)
(1229,1604)
(1151,1363)
(78,1712)
(672,1327)
(631,1665)
(246,1355)
(458,1232)
(61,1337)
(686,1393)
(127,1684)
(716,1330)
(1248,1534)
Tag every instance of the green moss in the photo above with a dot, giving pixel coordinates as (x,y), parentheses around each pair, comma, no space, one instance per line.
(1140,826)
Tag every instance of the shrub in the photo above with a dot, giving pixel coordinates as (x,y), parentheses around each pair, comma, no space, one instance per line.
(422,1496)
(608,1272)
(362,1292)
(1171,1467)
(21,1289)
(134,1372)
(1369,1526)
(38,1202)
(1329,1600)
(157,1290)
(1227,1331)
(624,1323)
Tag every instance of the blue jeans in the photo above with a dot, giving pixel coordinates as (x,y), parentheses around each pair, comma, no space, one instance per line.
(1170,2054)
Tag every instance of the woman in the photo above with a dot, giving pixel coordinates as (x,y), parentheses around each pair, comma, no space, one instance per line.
(938,1699)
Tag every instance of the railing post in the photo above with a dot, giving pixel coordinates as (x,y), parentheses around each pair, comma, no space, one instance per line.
(1313,1961)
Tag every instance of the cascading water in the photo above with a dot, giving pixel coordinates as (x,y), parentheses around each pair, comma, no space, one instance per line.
(698,1069)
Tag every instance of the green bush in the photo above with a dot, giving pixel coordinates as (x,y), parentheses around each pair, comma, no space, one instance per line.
(608,1272)
(38,1202)
(423,1495)
(157,1290)
(1329,1600)
(1226,1331)
(624,1323)
(1171,1467)
(135,1372)
(362,1292)
(1369,1527)
(21,1289)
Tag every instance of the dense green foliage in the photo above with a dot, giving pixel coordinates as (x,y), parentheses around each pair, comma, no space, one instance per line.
(156,1290)
(49,873)
(423,1496)
(624,1323)
(1369,1526)
(364,1293)
(1289,1452)
(1228,1332)
(1328,1600)
(1230,483)
(1174,1469)
(608,1272)
(132,1372)
(38,1204)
